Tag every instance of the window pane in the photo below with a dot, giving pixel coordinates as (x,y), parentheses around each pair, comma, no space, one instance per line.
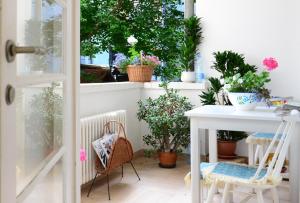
(40,25)
(39,128)
(50,189)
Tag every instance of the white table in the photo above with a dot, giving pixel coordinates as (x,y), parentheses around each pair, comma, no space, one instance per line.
(215,118)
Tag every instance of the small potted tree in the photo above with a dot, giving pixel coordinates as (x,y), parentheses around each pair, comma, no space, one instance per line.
(170,131)
(228,64)
(189,48)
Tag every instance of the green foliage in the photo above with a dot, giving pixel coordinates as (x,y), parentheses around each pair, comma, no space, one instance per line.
(89,77)
(169,72)
(44,122)
(231,135)
(123,66)
(133,53)
(215,83)
(165,116)
(149,153)
(106,25)
(228,64)
(189,47)
(208,97)
(250,82)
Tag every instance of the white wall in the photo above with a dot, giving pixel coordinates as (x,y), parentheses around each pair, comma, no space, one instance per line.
(256,28)
(105,97)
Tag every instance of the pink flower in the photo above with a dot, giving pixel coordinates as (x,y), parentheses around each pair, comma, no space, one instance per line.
(82,155)
(152,59)
(270,63)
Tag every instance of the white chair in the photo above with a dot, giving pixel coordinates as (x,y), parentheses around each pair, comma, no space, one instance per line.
(258,178)
(258,142)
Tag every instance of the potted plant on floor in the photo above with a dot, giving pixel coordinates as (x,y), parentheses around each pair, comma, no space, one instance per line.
(227,64)
(169,128)
(189,48)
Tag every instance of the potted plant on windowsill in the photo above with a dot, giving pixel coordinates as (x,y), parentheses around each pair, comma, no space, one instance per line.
(169,128)
(189,48)
(139,66)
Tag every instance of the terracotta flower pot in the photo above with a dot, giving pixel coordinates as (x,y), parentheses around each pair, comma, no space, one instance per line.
(167,159)
(226,149)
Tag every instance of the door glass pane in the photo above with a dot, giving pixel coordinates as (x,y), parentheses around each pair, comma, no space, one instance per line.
(39,115)
(50,189)
(40,25)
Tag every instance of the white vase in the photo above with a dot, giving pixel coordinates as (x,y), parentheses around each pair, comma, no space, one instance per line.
(188,76)
(244,101)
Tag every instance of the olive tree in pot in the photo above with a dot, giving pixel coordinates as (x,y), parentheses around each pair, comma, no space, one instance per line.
(227,64)
(189,48)
(169,128)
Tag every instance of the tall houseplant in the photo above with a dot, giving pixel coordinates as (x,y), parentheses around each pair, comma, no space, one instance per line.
(169,128)
(189,48)
(227,64)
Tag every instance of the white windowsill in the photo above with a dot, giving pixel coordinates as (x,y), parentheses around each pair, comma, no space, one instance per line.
(108,87)
(87,88)
(177,85)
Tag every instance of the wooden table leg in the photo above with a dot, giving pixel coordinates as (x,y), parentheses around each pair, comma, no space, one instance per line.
(195,162)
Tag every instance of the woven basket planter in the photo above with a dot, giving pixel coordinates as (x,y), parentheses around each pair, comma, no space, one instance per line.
(139,73)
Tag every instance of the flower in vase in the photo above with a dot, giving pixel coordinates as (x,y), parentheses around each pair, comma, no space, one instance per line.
(270,63)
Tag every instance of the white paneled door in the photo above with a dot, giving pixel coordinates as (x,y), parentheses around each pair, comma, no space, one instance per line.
(36,98)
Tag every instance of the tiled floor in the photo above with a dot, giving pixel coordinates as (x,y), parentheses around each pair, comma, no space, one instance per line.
(157,185)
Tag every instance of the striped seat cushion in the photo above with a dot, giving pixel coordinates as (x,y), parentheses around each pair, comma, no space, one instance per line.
(237,170)
(261,138)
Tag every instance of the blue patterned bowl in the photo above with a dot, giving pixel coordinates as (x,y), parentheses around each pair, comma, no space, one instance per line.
(244,101)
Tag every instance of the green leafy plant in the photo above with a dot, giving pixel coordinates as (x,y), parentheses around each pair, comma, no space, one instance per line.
(227,64)
(165,116)
(250,82)
(189,47)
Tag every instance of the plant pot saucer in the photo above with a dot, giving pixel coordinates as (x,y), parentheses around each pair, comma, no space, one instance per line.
(167,166)
(227,157)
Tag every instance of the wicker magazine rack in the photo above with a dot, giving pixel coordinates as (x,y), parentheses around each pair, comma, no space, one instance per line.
(121,153)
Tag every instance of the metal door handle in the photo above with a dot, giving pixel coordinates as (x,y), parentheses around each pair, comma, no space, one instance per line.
(9,94)
(12,50)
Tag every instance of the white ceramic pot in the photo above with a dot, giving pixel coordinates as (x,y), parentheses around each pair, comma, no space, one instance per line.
(188,76)
(244,101)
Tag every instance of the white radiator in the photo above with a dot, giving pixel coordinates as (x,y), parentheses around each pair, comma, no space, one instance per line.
(91,129)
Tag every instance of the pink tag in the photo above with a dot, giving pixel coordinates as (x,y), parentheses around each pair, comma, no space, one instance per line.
(82,155)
